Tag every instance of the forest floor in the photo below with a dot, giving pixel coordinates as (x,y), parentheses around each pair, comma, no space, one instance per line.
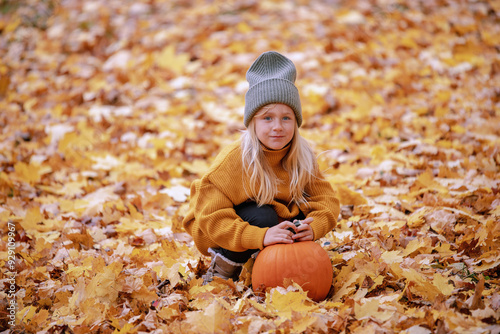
(110,109)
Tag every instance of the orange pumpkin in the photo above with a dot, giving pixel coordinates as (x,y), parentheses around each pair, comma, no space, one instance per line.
(305,262)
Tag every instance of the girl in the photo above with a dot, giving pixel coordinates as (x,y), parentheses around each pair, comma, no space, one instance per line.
(258,185)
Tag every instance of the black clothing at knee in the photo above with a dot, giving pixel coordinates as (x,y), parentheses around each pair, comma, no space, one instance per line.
(261,216)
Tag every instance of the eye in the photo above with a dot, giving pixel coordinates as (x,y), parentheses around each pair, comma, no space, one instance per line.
(268,118)
(287,118)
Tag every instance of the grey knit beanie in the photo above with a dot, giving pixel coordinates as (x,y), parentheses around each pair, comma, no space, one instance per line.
(271,78)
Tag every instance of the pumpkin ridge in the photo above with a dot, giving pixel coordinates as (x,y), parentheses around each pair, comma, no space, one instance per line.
(306,256)
(283,252)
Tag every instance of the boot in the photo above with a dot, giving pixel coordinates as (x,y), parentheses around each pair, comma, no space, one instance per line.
(222,267)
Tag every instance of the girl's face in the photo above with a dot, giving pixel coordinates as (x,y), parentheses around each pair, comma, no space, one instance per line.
(275,125)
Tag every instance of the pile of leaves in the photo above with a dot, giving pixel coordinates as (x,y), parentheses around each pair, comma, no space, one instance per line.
(110,109)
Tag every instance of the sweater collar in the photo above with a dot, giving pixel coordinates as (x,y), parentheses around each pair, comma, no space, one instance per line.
(274,157)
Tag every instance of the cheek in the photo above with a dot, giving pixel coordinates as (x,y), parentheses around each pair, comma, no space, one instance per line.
(260,131)
(261,128)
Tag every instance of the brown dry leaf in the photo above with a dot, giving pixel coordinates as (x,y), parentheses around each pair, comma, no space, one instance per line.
(476,301)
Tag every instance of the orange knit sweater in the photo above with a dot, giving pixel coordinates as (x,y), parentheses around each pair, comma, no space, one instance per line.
(212,221)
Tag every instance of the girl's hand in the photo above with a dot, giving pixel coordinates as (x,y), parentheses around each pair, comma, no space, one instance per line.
(279,234)
(304,231)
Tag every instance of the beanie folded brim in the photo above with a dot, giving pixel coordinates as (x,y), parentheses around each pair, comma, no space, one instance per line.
(275,90)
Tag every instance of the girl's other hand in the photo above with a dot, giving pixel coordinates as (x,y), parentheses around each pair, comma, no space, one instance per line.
(280,234)
(304,231)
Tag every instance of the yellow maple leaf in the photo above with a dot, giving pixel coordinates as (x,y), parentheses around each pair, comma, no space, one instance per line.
(458,129)
(94,311)
(283,302)
(33,220)
(378,154)
(126,329)
(68,142)
(197,166)
(170,272)
(40,318)
(348,196)
(145,294)
(376,282)
(78,271)
(41,245)
(214,319)
(425,180)
(417,219)
(169,60)
(369,308)
(104,286)
(258,306)
(421,285)
(30,173)
(347,287)
(412,246)
(304,321)
(11,25)
(362,132)
(72,189)
(26,314)
(441,111)
(444,249)
(169,312)
(76,205)
(487,261)
(442,284)
(392,257)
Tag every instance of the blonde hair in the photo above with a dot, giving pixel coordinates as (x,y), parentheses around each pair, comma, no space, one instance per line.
(299,162)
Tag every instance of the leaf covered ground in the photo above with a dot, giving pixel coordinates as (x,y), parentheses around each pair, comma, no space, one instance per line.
(109,109)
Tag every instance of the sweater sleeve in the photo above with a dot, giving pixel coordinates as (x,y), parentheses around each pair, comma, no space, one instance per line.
(216,218)
(323,205)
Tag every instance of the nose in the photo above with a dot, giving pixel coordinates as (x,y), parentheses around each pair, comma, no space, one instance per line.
(277,125)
